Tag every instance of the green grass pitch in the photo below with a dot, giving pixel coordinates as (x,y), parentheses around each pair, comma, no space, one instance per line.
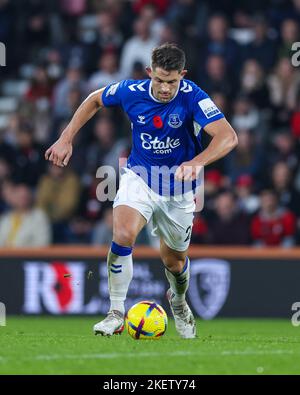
(66,345)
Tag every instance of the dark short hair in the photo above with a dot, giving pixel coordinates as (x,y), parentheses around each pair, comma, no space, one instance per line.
(168,57)
(268,191)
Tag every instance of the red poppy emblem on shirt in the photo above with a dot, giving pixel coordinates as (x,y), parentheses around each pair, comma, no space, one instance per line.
(157,121)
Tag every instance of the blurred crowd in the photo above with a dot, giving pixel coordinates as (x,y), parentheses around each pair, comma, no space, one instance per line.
(59,51)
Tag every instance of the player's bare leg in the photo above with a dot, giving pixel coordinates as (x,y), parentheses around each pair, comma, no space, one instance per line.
(127,223)
(177,272)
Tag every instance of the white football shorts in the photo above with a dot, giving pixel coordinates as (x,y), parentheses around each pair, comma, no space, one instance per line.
(172,217)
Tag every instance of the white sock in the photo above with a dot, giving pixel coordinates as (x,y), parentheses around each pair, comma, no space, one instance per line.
(120,271)
(179,282)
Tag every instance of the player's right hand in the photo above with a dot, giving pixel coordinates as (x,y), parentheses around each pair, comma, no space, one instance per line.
(59,153)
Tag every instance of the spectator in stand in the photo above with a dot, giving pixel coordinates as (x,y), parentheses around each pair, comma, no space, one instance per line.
(138,71)
(73,8)
(40,87)
(79,231)
(107,149)
(273,225)
(149,13)
(213,183)
(253,84)
(229,225)
(8,134)
(295,9)
(284,149)
(188,18)
(54,65)
(5,173)
(262,48)
(295,119)
(37,26)
(284,85)
(215,77)
(221,101)
(138,48)
(109,37)
(7,140)
(29,162)
(200,230)
(57,194)
(289,33)
(160,5)
(102,232)
(24,225)
(247,158)
(7,195)
(280,11)
(5,170)
(72,79)
(168,35)
(247,201)
(219,43)
(73,99)
(39,100)
(107,73)
(282,184)
(245,115)
(93,201)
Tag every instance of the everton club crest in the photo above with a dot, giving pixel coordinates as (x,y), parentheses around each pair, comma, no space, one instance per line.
(174,121)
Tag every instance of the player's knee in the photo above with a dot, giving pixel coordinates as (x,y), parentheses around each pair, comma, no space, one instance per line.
(124,236)
(174,265)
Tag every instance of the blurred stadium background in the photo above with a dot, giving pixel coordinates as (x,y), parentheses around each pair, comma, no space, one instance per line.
(246,262)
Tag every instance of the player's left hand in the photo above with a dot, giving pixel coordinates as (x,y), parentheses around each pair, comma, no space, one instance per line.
(188,171)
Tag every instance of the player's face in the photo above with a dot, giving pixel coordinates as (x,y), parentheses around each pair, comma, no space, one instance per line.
(165,83)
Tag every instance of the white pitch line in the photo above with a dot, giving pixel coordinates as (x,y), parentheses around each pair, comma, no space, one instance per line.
(225,353)
(258,352)
(112,355)
(157,354)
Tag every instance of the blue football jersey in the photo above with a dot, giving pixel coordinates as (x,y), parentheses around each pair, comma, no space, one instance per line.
(163,134)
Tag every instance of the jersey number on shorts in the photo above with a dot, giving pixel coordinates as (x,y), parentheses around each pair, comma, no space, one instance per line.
(188,232)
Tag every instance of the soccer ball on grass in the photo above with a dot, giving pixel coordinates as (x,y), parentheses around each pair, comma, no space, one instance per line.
(146,320)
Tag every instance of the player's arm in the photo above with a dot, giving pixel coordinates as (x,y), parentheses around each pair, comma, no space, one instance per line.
(61,151)
(224,139)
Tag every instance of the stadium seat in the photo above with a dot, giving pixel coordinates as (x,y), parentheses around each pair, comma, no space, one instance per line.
(8,104)
(15,88)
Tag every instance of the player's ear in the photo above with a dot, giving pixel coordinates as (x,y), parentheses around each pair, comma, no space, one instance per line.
(183,73)
(149,71)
